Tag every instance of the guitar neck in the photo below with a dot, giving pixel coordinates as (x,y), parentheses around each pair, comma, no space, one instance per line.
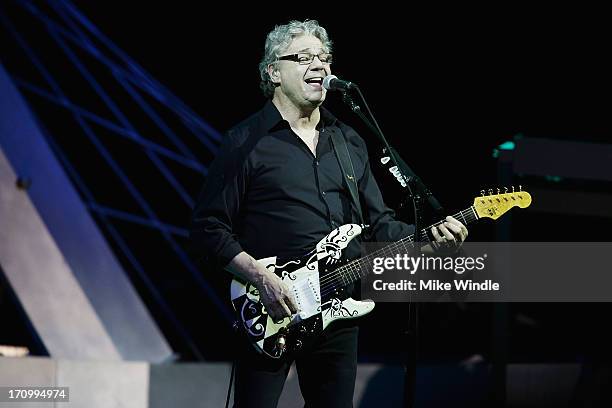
(466,216)
(360,267)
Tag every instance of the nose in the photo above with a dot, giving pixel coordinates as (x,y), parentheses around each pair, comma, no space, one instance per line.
(317,60)
(317,65)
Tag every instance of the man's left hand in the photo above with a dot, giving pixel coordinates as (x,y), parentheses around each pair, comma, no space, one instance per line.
(449,235)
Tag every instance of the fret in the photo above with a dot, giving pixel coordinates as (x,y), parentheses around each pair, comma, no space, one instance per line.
(474,211)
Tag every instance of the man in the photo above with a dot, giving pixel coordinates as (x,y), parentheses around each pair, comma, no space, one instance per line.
(276,189)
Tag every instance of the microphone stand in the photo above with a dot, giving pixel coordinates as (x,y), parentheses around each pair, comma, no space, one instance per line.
(419,193)
(403,172)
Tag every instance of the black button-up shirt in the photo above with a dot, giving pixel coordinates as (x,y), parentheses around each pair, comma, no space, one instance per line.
(267,194)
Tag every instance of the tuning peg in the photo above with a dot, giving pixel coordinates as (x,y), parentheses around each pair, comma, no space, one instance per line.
(490,191)
(505,190)
(498,190)
(520,188)
(513,189)
(482,193)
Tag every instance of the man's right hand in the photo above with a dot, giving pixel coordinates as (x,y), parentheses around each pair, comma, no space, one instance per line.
(273,292)
(275,296)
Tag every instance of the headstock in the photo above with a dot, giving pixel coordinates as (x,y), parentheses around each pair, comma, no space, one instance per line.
(495,205)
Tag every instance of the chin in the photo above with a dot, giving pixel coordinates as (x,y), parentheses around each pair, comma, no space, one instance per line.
(315,104)
(317,101)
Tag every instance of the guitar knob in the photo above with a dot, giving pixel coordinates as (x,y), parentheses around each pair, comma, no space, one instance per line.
(236,325)
(281,345)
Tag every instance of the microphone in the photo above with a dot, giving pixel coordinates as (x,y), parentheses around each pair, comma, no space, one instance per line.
(332,83)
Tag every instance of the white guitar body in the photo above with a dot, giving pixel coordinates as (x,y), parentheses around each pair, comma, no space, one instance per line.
(312,285)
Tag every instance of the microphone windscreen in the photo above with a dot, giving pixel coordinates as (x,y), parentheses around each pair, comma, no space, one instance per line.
(327,81)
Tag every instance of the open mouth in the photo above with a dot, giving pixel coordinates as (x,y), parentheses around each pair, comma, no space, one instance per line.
(316,83)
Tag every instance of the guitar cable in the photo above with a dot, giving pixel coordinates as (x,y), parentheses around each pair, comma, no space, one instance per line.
(235,327)
(229,389)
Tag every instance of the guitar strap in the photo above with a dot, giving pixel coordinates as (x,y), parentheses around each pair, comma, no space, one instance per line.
(346,166)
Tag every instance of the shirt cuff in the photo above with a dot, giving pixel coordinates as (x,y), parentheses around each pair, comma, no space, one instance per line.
(228,252)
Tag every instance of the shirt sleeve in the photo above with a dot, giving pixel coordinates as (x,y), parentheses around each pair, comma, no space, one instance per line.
(213,222)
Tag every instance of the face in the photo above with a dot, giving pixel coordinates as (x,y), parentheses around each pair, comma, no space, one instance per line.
(302,84)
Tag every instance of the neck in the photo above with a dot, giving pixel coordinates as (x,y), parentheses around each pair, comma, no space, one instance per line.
(298,117)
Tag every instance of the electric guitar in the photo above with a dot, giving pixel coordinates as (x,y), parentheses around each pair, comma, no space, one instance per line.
(317,279)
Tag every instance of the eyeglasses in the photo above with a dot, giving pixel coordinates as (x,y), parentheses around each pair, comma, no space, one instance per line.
(306,58)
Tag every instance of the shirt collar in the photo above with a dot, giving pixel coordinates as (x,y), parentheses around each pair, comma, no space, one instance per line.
(273,119)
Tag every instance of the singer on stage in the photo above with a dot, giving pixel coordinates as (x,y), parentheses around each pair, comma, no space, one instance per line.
(275,189)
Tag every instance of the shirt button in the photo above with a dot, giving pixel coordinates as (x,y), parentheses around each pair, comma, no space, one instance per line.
(323,193)
(316,162)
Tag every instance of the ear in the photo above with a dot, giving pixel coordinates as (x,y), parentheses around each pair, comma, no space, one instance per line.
(274,74)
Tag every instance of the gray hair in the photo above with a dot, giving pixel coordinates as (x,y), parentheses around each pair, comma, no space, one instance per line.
(279,39)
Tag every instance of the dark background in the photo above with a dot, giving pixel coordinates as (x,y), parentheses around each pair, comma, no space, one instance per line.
(447,86)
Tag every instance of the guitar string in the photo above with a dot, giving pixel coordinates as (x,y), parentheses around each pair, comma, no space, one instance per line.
(398,244)
(354,269)
(339,277)
(330,279)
